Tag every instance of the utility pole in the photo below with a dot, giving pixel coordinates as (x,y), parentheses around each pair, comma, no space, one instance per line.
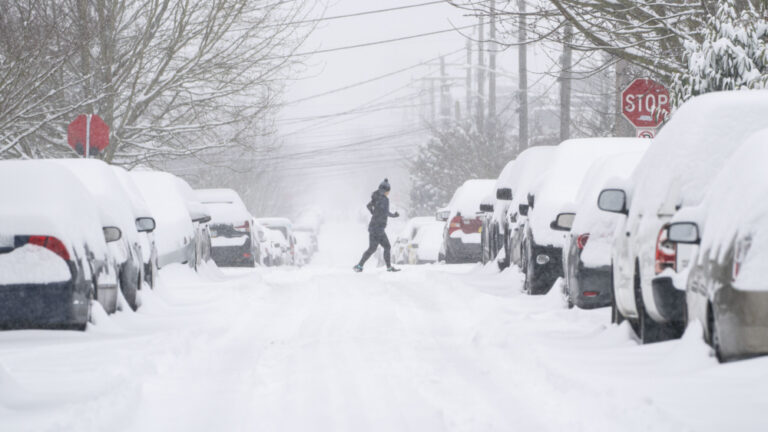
(522,60)
(624,75)
(468,103)
(480,79)
(492,77)
(432,99)
(565,83)
(445,104)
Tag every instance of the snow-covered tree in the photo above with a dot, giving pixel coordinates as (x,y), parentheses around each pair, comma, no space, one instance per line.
(455,152)
(732,56)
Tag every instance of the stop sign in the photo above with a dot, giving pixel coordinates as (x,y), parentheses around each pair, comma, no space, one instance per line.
(81,138)
(645,103)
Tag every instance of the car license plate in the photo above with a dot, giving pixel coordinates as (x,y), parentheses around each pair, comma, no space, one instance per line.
(214,234)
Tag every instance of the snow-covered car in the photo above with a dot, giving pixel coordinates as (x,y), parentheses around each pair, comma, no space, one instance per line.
(727,283)
(461,236)
(115,209)
(305,246)
(145,225)
(175,233)
(311,233)
(259,233)
(674,174)
(53,251)
(425,246)
(544,237)
(232,239)
(278,247)
(400,248)
(285,227)
(490,240)
(512,190)
(587,248)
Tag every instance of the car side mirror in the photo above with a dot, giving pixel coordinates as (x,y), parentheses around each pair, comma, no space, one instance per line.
(504,194)
(112,234)
(613,201)
(683,232)
(442,215)
(145,224)
(563,222)
(486,208)
(523,209)
(202,219)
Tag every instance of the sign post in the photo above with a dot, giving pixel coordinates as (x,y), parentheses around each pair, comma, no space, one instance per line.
(88,134)
(645,104)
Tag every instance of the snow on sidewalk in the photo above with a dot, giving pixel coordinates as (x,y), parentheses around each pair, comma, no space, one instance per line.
(432,348)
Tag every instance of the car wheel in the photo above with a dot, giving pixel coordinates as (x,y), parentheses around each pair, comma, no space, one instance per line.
(616,316)
(714,337)
(647,329)
(529,270)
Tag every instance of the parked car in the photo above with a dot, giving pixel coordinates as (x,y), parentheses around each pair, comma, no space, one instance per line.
(311,234)
(461,236)
(425,246)
(176,233)
(232,238)
(52,263)
(587,248)
(674,174)
(115,209)
(512,191)
(145,225)
(401,246)
(279,247)
(544,235)
(304,247)
(727,283)
(285,227)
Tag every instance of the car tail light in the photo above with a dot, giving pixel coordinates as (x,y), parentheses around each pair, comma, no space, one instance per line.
(591,293)
(666,252)
(581,241)
(742,247)
(246,227)
(454,224)
(246,255)
(51,243)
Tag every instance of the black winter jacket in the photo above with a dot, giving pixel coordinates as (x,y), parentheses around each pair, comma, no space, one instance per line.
(379,208)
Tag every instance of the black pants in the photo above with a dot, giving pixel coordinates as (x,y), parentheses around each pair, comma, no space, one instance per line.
(376,238)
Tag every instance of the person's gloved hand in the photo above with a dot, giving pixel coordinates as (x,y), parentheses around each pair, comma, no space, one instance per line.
(396,214)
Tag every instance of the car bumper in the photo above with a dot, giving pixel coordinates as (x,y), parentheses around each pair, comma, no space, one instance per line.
(233,256)
(464,252)
(591,287)
(742,322)
(668,301)
(42,306)
(547,265)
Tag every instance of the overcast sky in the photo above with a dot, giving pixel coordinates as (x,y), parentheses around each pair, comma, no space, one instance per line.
(344,177)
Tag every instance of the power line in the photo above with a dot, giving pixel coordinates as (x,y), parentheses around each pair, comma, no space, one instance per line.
(370,80)
(367,44)
(357,14)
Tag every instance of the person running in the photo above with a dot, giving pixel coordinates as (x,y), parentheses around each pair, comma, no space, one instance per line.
(379,208)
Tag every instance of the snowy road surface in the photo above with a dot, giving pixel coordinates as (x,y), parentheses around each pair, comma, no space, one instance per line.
(432,348)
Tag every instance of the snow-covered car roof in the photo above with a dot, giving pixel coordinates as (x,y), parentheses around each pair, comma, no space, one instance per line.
(735,208)
(529,166)
(224,205)
(589,218)
(111,198)
(466,200)
(691,148)
(276,235)
(270,222)
(139,205)
(44,198)
(564,176)
(169,207)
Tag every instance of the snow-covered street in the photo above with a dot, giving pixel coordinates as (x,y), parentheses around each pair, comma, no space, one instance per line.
(432,348)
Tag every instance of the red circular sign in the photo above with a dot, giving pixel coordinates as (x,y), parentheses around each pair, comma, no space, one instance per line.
(645,103)
(77,134)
